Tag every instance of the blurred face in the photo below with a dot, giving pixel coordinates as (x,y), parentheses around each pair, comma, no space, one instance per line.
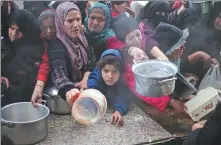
(14,33)
(96,21)
(218,22)
(134,38)
(110,74)
(120,8)
(48,27)
(73,24)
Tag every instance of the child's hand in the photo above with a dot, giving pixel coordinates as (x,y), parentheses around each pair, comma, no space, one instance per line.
(116,118)
(177,53)
(130,11)
(72,95)
(198,125)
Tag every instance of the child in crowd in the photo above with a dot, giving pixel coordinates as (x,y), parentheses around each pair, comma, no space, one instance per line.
(171,41)
(107,78)
(119,7)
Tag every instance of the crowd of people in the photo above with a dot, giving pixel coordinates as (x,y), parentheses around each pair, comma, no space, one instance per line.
(77,45)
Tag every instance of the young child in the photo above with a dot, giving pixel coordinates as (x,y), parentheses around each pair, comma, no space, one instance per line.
(119,7)
(107,78)
(171,41)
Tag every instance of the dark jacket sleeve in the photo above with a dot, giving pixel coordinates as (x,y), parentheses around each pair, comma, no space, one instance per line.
(58,57)
(122,99)
(210,134)
(94,80)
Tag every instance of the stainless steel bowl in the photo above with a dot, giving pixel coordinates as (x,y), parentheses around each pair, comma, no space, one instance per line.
(24,124)
(55,103)
(154,78)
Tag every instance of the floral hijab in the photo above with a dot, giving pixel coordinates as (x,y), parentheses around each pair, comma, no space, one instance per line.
(107,31)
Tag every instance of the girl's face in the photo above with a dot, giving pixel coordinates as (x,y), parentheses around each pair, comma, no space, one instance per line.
(73,24)
(14,33)
(218,22)
(48,27)
(120,8)
(110,74)
(96,21)
(134,38)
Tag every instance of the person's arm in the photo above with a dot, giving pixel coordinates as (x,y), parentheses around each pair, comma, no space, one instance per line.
(198,56)
(158,54)
(57,57)
(94,79)
(131,12)
(123,99)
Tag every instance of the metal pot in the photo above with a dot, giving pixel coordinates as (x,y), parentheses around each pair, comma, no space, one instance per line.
(24,124)
(204,7)
(55,103)
(154,78)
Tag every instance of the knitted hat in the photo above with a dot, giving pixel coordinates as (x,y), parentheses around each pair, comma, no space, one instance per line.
(167,36)
(123,25)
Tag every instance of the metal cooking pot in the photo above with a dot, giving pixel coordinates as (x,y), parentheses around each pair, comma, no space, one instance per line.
(154,83)
(55,103)
(24,124)
(204,7)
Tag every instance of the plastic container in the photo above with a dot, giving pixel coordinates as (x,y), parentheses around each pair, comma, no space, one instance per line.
(90,106)
(203,103)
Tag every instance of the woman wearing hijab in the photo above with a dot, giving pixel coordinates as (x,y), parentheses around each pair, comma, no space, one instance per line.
(46,21)
(68,52)
(21,66)
(7,8)
(149,17)
(98,29)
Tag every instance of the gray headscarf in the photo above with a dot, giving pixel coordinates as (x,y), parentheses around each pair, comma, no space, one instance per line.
(78,47)
(47,13)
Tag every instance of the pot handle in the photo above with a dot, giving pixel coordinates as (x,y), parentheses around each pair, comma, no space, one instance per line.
(136,61)
(167,80)
(219,95)
(7,124)
(43,102)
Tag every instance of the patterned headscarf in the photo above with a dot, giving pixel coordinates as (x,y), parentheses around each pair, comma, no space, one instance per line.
(77,48)
(107,31)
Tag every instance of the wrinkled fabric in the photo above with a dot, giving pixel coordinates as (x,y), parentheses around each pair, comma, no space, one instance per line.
(77,48)
(107,31)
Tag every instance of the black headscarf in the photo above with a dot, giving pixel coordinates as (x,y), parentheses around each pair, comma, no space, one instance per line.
(5,16)
(150,9)
(27,24)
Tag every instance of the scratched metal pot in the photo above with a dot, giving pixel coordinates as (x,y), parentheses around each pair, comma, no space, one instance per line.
(23,124)
(154,78)
(55,103)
